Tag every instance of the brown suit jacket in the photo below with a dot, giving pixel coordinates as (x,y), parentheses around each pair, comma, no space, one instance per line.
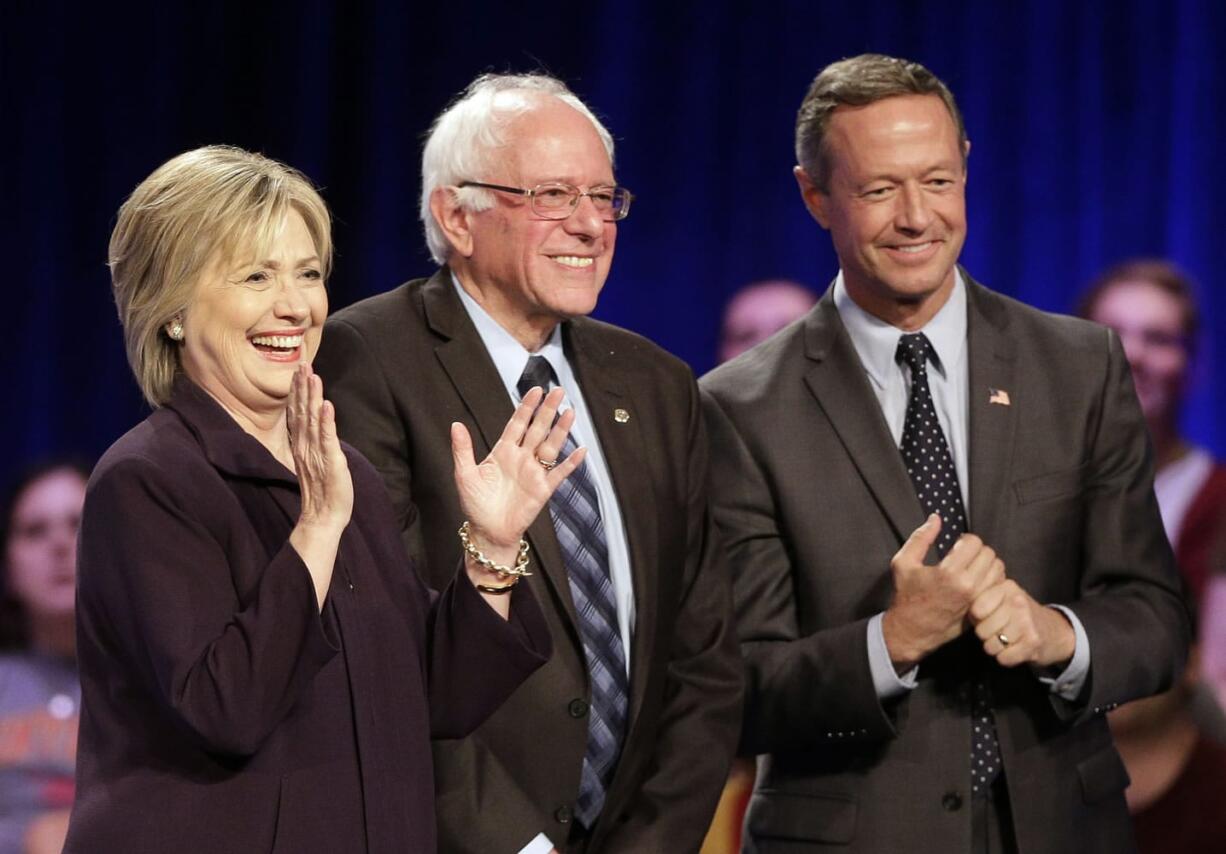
(221,711)
(812,495)
(401,367)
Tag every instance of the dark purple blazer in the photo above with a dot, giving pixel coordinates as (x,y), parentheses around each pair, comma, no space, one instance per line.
(221,711)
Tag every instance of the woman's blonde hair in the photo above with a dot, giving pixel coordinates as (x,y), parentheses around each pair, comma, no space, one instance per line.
(207,204)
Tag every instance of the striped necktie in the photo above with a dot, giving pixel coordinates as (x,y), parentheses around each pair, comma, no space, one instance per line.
(575,508)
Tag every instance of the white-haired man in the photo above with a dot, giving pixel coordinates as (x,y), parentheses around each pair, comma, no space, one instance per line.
(622,741)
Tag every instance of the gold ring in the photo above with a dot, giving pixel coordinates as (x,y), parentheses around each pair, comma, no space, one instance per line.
(1003,638)
(547,464)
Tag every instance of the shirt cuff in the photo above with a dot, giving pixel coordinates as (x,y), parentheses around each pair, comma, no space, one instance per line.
(540,844)
(885,678)
(1068,684)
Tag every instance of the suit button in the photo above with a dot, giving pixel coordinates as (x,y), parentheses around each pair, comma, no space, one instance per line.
(952,801)
(563,814)
(577,708)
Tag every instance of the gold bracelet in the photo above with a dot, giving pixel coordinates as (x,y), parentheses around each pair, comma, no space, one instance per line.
(496,591)
(519,570)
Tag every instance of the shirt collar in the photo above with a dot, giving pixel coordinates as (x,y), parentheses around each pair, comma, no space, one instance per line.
(510,357)
(876,341)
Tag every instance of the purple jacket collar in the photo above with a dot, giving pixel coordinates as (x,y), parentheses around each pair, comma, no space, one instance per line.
(225,444)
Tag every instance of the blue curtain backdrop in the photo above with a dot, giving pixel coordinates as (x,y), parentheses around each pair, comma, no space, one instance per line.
(1096,127)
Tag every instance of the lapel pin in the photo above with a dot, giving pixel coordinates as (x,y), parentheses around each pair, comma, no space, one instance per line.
(621,416)
(998,395)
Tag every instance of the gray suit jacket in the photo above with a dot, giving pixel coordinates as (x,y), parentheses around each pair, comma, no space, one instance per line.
(400,368)
(813,499)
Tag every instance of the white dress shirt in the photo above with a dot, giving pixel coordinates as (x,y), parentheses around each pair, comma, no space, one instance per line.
(876,343)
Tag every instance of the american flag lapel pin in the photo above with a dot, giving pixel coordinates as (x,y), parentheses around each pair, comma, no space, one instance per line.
(998,395)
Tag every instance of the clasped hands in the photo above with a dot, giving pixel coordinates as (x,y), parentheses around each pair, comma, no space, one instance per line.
(968,588)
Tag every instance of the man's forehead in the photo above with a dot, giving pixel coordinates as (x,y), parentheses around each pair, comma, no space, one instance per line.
(906,126)
(896,114)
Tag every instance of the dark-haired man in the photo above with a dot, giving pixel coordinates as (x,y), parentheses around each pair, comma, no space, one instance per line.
(938,503)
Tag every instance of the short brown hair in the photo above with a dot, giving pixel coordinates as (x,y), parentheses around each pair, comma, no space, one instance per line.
(857,82)
(207,203)
(1164,275)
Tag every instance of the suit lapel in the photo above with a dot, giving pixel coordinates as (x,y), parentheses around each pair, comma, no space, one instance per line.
(993,422)
(606,388)
(468,365)
(837,379)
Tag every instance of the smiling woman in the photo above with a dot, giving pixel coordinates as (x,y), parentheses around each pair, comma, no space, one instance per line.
(161,258)
(261,667)
(252,322)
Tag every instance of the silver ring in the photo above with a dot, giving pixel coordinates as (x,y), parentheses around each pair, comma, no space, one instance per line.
(1003,638)
(547,464)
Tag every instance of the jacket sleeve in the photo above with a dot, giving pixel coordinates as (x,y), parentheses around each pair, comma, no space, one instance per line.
(156,588)
(700,715)
(477,658)
(1130,603)
(800,691)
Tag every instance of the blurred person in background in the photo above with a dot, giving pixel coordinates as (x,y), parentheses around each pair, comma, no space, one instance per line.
(759,310)
(1176,767)
(261,666)
(39,691)
(1151,304)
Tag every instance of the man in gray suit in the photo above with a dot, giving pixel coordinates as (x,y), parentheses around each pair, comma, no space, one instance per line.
(948,561)
(622,741)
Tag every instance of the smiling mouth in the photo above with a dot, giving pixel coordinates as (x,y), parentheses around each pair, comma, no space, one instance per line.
(576,261)
(914,248)
(282,347)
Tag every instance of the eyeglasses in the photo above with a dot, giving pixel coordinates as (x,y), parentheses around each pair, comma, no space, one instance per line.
(555,200)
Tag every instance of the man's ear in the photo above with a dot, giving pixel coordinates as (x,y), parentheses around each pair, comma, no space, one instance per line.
(814,199)
(453,219)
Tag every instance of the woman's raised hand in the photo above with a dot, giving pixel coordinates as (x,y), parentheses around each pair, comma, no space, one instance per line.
(323,471)
(323,479)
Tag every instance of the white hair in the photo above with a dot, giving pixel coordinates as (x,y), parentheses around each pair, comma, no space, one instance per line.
(465,134)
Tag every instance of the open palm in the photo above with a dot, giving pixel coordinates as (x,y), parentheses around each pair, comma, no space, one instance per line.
(503,494)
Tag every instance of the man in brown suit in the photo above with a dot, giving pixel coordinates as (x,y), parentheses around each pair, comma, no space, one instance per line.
(622,741)
(938,505)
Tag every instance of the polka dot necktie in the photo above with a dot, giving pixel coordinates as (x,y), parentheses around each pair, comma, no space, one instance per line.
(931,467)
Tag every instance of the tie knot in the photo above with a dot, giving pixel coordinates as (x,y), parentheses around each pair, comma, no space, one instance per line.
(915,350)
(538,372)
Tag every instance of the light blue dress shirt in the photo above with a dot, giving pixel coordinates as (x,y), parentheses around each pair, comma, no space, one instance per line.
(510,358)
(876,342)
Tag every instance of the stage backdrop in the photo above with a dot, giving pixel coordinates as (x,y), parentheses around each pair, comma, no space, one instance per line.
(1096,126)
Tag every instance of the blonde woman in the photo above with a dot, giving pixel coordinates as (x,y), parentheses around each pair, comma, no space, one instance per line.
(261,667)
